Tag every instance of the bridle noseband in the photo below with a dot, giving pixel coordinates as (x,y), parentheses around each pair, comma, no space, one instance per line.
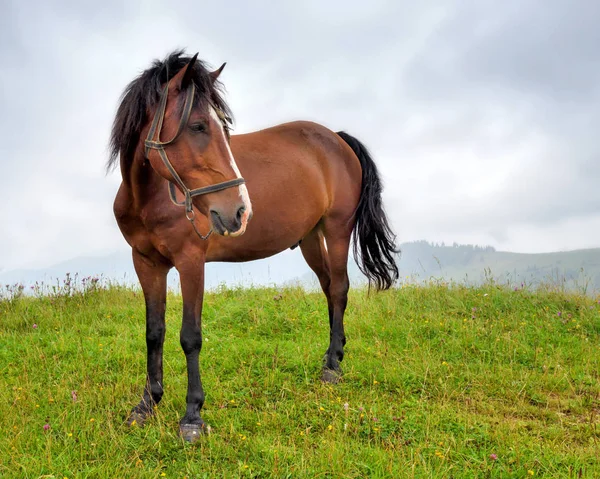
(151,143)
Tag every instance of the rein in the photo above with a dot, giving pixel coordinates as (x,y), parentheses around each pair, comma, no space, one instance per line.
(156,144)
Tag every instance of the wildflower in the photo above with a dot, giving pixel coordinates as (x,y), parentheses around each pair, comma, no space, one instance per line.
(530,472)
(92,420)
(321,408)
(46,426)
(439,454)
(444,363)
(74,396)
(35,326)
(493,457)
(559,314)
(360,408)
(330,427)
(70,434)
(346,406)
(375,381)
(162,474)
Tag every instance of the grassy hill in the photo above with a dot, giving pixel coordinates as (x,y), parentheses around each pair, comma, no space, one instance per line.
(440,381)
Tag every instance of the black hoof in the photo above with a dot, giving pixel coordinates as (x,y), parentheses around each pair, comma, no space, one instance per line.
(193,432)
(137,418)
(331,376)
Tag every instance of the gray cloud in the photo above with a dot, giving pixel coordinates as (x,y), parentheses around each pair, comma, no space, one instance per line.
(480,115)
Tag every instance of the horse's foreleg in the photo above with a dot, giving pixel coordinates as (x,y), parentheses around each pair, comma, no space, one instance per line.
(192,289)
(153,279)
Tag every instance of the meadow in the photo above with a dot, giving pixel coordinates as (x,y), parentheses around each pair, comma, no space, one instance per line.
(440,381)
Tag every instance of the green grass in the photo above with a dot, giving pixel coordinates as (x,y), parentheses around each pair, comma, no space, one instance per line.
(433,387)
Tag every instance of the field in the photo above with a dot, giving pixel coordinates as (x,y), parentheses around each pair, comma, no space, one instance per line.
(440,381)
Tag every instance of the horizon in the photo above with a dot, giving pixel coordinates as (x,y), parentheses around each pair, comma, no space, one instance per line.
(431,243)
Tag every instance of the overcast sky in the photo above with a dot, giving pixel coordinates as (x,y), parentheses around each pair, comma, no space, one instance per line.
(483,116)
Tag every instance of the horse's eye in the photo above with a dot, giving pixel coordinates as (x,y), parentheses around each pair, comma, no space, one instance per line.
(198,127)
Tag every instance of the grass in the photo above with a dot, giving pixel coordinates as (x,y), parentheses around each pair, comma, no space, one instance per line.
(440,381)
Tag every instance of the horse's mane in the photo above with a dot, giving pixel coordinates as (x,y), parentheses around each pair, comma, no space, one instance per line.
(143,94)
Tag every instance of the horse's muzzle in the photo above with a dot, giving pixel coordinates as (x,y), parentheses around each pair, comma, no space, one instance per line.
(230,225)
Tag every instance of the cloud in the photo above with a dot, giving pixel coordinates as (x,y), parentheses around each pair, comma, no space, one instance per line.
(481,115)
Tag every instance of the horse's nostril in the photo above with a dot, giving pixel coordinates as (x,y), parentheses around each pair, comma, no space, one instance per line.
(216,218)
(241,212)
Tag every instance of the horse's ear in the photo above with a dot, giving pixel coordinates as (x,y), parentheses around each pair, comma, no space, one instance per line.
(214,75)
(184,77)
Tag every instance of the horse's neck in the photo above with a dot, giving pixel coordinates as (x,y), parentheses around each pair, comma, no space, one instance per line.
(142,181)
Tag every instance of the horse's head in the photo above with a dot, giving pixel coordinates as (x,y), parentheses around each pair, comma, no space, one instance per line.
(194,153)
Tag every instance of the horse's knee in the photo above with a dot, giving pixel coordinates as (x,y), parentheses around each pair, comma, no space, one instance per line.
(190,340)
(155,335)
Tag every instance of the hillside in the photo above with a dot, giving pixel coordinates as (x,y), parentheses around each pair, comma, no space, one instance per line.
(439,382)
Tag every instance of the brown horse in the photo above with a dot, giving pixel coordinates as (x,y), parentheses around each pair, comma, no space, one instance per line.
(302,185)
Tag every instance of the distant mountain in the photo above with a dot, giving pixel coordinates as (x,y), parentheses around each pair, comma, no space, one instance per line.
(474,264)
(419,261)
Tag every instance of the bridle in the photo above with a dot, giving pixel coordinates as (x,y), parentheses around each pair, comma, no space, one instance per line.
(158,145)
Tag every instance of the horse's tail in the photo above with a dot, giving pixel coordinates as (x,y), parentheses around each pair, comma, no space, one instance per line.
(374,241)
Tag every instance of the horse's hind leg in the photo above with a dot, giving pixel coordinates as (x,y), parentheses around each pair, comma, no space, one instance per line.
(337,237)
(153,279)
(327,256)
(314,252)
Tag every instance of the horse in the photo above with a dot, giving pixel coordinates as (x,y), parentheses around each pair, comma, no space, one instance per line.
(206,195)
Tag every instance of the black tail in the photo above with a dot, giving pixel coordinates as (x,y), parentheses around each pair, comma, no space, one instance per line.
(374,240)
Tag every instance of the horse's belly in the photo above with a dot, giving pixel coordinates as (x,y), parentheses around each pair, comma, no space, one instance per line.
(261,240)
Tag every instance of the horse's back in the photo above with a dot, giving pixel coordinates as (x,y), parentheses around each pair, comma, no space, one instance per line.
(302,148)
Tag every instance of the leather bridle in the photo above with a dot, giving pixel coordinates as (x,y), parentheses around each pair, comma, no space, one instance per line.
(156,144)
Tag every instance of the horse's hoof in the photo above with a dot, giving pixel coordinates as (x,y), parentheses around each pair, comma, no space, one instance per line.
(136,419)
(193,432)
(331,376)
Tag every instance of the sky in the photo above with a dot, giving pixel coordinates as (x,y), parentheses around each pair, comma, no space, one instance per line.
(481,115)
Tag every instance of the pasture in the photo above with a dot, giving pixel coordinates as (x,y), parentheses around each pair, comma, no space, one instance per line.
(439,381)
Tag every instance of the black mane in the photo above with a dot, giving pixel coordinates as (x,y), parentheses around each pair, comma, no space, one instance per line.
(143,94)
